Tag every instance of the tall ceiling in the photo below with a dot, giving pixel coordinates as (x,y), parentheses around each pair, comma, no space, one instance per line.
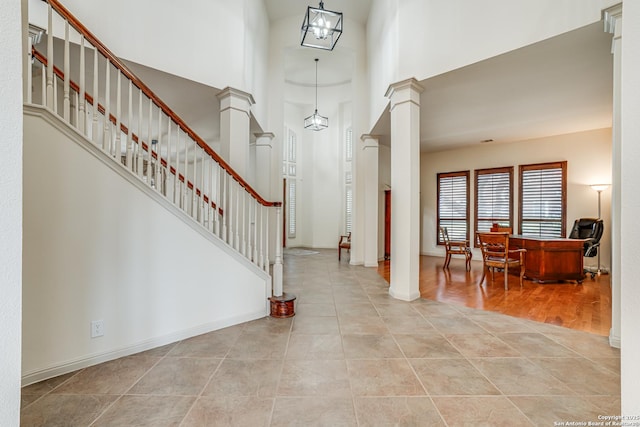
(557,86)
(356,10)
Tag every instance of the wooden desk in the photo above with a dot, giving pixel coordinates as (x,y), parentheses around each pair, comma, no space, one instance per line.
(551,259)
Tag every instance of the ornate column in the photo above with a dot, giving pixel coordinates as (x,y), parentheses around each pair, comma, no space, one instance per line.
(370,164)
(235,114)
(404,99)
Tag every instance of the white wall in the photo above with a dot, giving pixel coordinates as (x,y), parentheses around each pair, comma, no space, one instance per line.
(588,156)
(215,42)
(10,211)
(425,38)
(630,209)
(97,247)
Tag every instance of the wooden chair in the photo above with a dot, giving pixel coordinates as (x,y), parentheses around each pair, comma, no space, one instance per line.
(496,254)
(344,243)
(455,248)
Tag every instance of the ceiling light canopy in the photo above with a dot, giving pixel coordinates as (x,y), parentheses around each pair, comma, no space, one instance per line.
(321,28)
(316,121)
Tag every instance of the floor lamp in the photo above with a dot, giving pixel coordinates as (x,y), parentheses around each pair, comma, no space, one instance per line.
(599,188)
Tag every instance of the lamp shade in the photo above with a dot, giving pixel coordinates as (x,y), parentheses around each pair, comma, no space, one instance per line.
(599,187)
(321,28)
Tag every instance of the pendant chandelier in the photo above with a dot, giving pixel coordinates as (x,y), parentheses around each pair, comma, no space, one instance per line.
(316,121)
(321,28)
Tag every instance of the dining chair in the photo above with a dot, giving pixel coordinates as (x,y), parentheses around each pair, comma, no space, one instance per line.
(453,247)
(496,254)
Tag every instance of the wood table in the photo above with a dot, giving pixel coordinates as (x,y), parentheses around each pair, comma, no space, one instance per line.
(551,259)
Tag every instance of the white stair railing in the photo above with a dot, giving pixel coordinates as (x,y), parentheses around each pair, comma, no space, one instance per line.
(147,138)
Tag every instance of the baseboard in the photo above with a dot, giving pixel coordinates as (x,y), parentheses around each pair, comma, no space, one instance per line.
(614,341)
(94,359)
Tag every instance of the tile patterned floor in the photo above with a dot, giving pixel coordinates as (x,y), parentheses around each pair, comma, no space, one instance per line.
(352,356)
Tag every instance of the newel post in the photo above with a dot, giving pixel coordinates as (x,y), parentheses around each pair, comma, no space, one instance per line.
(282,304)
(277,265)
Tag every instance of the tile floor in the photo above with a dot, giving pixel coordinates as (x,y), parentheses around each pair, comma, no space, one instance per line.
(352,356)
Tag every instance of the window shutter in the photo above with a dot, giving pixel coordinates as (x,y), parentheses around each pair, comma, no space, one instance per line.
(542,200)
(493,198)
(348,208)
(292,207)
(453,205)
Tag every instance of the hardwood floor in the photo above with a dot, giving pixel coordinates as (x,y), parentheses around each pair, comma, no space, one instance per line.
(585,307)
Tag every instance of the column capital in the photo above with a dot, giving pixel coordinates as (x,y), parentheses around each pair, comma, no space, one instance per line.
(408,90)
(265,135)
(366,136)
(235,99)
(612,17)
(370,141)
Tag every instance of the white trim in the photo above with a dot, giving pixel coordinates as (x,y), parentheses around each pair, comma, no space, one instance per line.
(94,359)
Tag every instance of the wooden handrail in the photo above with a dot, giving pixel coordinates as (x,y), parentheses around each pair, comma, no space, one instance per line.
(75,23)
(60,74)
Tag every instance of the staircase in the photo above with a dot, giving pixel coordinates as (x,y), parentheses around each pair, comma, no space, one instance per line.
(130,217)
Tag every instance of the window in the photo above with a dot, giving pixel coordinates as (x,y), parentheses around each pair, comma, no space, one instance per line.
(292,207)
(289,172)
(348,208)
(494,198)
(348,145)
(348,179)
(453,205)
(543,190)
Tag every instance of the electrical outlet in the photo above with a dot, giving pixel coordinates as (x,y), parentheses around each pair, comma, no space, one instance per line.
(97,328)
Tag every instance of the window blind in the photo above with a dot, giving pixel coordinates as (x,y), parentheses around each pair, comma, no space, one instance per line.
(542,200)
(348,208)
(494,198)
(453,205)
(292,207)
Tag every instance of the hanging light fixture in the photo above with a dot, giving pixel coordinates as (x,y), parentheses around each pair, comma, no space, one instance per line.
(321,28)
(316,121)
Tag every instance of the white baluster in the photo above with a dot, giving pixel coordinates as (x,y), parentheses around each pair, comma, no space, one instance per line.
(94,127)
(50,81)
(185,183)
(168,159)
(55,94)
(106,138)
(66,103)
(201,202)
(75,109)
(129,156)
(243,196)
(118,143)
(261,235)
(255,230)
(30,72)
(82,103)
(218,199)
(149,143)
(194,192)
(226,212)
(177,192)
(158,165)
(265,233)
(210,225)
(237,218)
(43,84)
(139,150)
(277,265)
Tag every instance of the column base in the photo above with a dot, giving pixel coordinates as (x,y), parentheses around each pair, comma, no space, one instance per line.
(283,306)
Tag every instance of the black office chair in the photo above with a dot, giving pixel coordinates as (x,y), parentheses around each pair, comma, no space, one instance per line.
(591,230)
